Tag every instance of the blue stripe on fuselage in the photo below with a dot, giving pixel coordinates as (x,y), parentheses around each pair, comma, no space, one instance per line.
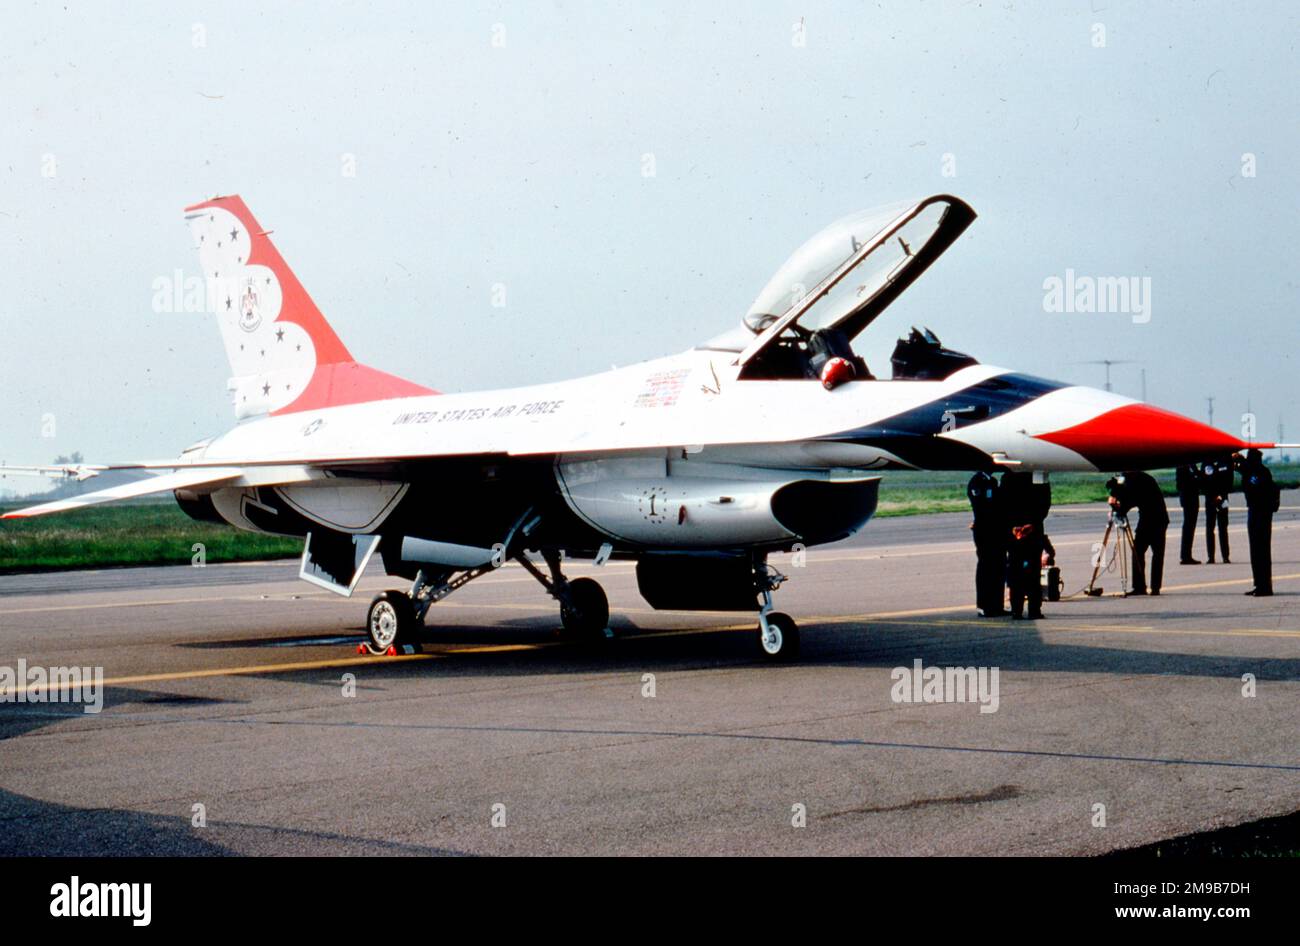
(911,435)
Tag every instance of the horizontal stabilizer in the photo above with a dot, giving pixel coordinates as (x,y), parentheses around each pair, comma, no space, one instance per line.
(71,471)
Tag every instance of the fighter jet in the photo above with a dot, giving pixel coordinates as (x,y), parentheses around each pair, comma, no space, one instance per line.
(770,437)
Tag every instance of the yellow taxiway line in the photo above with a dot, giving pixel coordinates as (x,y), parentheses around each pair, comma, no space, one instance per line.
(334,663)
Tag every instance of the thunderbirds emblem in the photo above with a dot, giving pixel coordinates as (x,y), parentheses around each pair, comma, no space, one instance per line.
(250,314)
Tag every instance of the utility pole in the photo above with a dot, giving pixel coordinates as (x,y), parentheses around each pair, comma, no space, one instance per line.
(1107,362)
(1211,403)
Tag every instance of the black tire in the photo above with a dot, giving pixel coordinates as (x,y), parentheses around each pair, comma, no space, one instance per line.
(782,644)
(587,613)
(390,622)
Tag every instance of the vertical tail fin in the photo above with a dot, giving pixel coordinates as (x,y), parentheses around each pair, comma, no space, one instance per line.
(284,357)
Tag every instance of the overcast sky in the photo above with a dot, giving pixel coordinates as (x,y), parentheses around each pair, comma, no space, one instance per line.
(513,144)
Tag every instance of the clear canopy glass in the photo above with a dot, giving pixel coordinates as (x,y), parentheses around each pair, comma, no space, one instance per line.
(848,273)
(822,257)
(815,260)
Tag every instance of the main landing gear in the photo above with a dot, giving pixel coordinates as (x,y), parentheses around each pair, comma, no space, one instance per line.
(584,609)
(778,635)
(391,620)
(396,619)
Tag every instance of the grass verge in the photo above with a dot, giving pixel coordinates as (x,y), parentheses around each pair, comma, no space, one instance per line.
(128,534)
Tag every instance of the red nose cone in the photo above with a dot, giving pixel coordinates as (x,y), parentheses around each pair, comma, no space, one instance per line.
(1139,436)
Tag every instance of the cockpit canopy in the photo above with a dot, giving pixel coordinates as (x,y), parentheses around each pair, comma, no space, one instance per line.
(839,281)
(810,265)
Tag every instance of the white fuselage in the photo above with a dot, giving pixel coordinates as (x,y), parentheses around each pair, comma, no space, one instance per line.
(692,401)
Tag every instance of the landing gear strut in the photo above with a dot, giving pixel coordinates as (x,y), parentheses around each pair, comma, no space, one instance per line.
(584,609)
(778,635)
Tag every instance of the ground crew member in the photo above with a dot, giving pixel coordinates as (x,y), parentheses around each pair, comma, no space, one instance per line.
(1189,497)
(1141,490)
(989,529)
(1027,504)
(1262,500)
(1217,482)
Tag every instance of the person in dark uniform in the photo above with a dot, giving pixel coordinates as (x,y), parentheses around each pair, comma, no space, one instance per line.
(1189,497)
(1262,500)
(1141,490)
(1027,504)
(1216,479)
(989,529)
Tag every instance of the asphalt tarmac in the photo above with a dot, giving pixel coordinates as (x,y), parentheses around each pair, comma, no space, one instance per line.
(229,725)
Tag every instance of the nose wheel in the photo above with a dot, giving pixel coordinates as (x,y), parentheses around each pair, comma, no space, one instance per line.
(778,636)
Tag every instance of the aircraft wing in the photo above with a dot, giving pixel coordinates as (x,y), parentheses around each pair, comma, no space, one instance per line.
(167,482)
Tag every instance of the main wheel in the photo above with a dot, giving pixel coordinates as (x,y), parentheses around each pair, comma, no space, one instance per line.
(781,640)
(390,621)
(587,613)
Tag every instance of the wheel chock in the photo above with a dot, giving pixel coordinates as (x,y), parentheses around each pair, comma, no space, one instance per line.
(403,650)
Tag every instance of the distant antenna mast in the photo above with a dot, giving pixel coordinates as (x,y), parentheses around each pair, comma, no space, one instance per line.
(1210,401)
(1107,362)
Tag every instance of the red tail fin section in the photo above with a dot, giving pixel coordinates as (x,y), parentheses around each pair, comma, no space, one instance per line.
(284,356)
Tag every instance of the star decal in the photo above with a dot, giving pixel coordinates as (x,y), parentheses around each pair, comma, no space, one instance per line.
(279,335)
(266,389)
(228,306)
(234,234)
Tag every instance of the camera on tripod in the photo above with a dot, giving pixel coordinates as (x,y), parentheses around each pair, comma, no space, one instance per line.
(1117,527)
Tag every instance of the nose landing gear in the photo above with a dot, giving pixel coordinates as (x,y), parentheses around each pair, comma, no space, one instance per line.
(778,634)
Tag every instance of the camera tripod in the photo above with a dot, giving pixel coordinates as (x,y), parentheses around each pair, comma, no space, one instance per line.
(1118,527)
